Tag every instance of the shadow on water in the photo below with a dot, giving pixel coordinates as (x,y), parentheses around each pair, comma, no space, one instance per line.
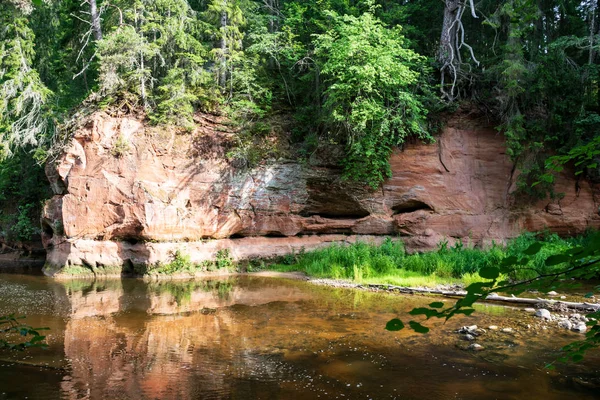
(249,337)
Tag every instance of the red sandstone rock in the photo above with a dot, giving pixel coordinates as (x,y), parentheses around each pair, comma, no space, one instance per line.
(109,210)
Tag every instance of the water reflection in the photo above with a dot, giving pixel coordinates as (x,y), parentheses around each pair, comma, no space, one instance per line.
(106,297)
(262,338)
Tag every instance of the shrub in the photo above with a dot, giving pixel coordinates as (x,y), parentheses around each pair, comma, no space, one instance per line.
(120,148)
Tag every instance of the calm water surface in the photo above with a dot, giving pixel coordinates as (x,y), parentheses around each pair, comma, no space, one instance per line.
(268,338)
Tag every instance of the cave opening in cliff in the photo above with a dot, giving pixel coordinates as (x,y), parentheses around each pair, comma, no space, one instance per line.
(411,206)
(47,229)
(334,214)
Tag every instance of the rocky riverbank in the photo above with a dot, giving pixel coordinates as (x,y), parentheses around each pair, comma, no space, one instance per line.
(547,315)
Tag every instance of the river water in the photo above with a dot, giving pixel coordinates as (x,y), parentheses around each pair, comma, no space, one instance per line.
(269,338)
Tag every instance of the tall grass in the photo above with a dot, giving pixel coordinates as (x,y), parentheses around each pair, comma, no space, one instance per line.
(389,262)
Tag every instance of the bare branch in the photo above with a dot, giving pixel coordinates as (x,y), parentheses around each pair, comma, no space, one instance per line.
(472,5)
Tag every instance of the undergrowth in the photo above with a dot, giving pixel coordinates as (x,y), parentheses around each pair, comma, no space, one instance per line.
(390,263)
(181,264)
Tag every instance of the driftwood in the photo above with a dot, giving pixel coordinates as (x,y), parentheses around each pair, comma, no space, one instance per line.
(492,297)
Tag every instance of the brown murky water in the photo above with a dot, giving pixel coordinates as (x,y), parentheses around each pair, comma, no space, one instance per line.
(268,338)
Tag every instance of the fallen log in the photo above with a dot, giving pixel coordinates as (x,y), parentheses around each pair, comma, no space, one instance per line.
(491,297)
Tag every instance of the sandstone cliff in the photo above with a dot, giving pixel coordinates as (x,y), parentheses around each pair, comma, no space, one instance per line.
(128,195)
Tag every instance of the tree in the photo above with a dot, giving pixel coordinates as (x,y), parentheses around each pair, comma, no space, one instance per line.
(231,20)
(23,96)
(373,92)
(154,55)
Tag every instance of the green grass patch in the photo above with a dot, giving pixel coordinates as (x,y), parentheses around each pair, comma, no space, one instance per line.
(390,263)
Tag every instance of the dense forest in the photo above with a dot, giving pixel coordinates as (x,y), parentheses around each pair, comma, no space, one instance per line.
(365,74)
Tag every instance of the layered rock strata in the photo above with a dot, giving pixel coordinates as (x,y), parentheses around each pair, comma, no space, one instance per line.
(127,194)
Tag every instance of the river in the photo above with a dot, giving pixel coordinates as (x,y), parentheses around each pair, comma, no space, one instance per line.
(269,338)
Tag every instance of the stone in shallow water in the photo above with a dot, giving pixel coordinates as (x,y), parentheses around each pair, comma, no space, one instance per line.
(507,330)
(579,327)
(472,329)
(552,293)
(543,313)
(564,323)
(468,337)
(475,346)
(493,328)
(529,310)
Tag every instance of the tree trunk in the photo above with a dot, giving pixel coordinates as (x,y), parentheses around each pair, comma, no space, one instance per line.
(447,55)
(597,33)
(592,34)
(492,297)
(271,7)
(96,28)
(223,55)
(143,82)
(447,39)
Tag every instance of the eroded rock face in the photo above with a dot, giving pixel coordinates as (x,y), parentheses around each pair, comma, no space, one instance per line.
(166,191)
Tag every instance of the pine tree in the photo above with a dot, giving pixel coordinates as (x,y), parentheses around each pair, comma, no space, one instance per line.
(23,97)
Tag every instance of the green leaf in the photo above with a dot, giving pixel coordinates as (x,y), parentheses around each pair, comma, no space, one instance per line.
(523,261)
(557,259)
(533,249)
(436,304)
(465,311)
(37,3)
(468,300)
(477,287)
(424,311)
(575,250)
(509,261)
(489,272)
(417,327)
(589,295)
(394,325)
(37,339)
